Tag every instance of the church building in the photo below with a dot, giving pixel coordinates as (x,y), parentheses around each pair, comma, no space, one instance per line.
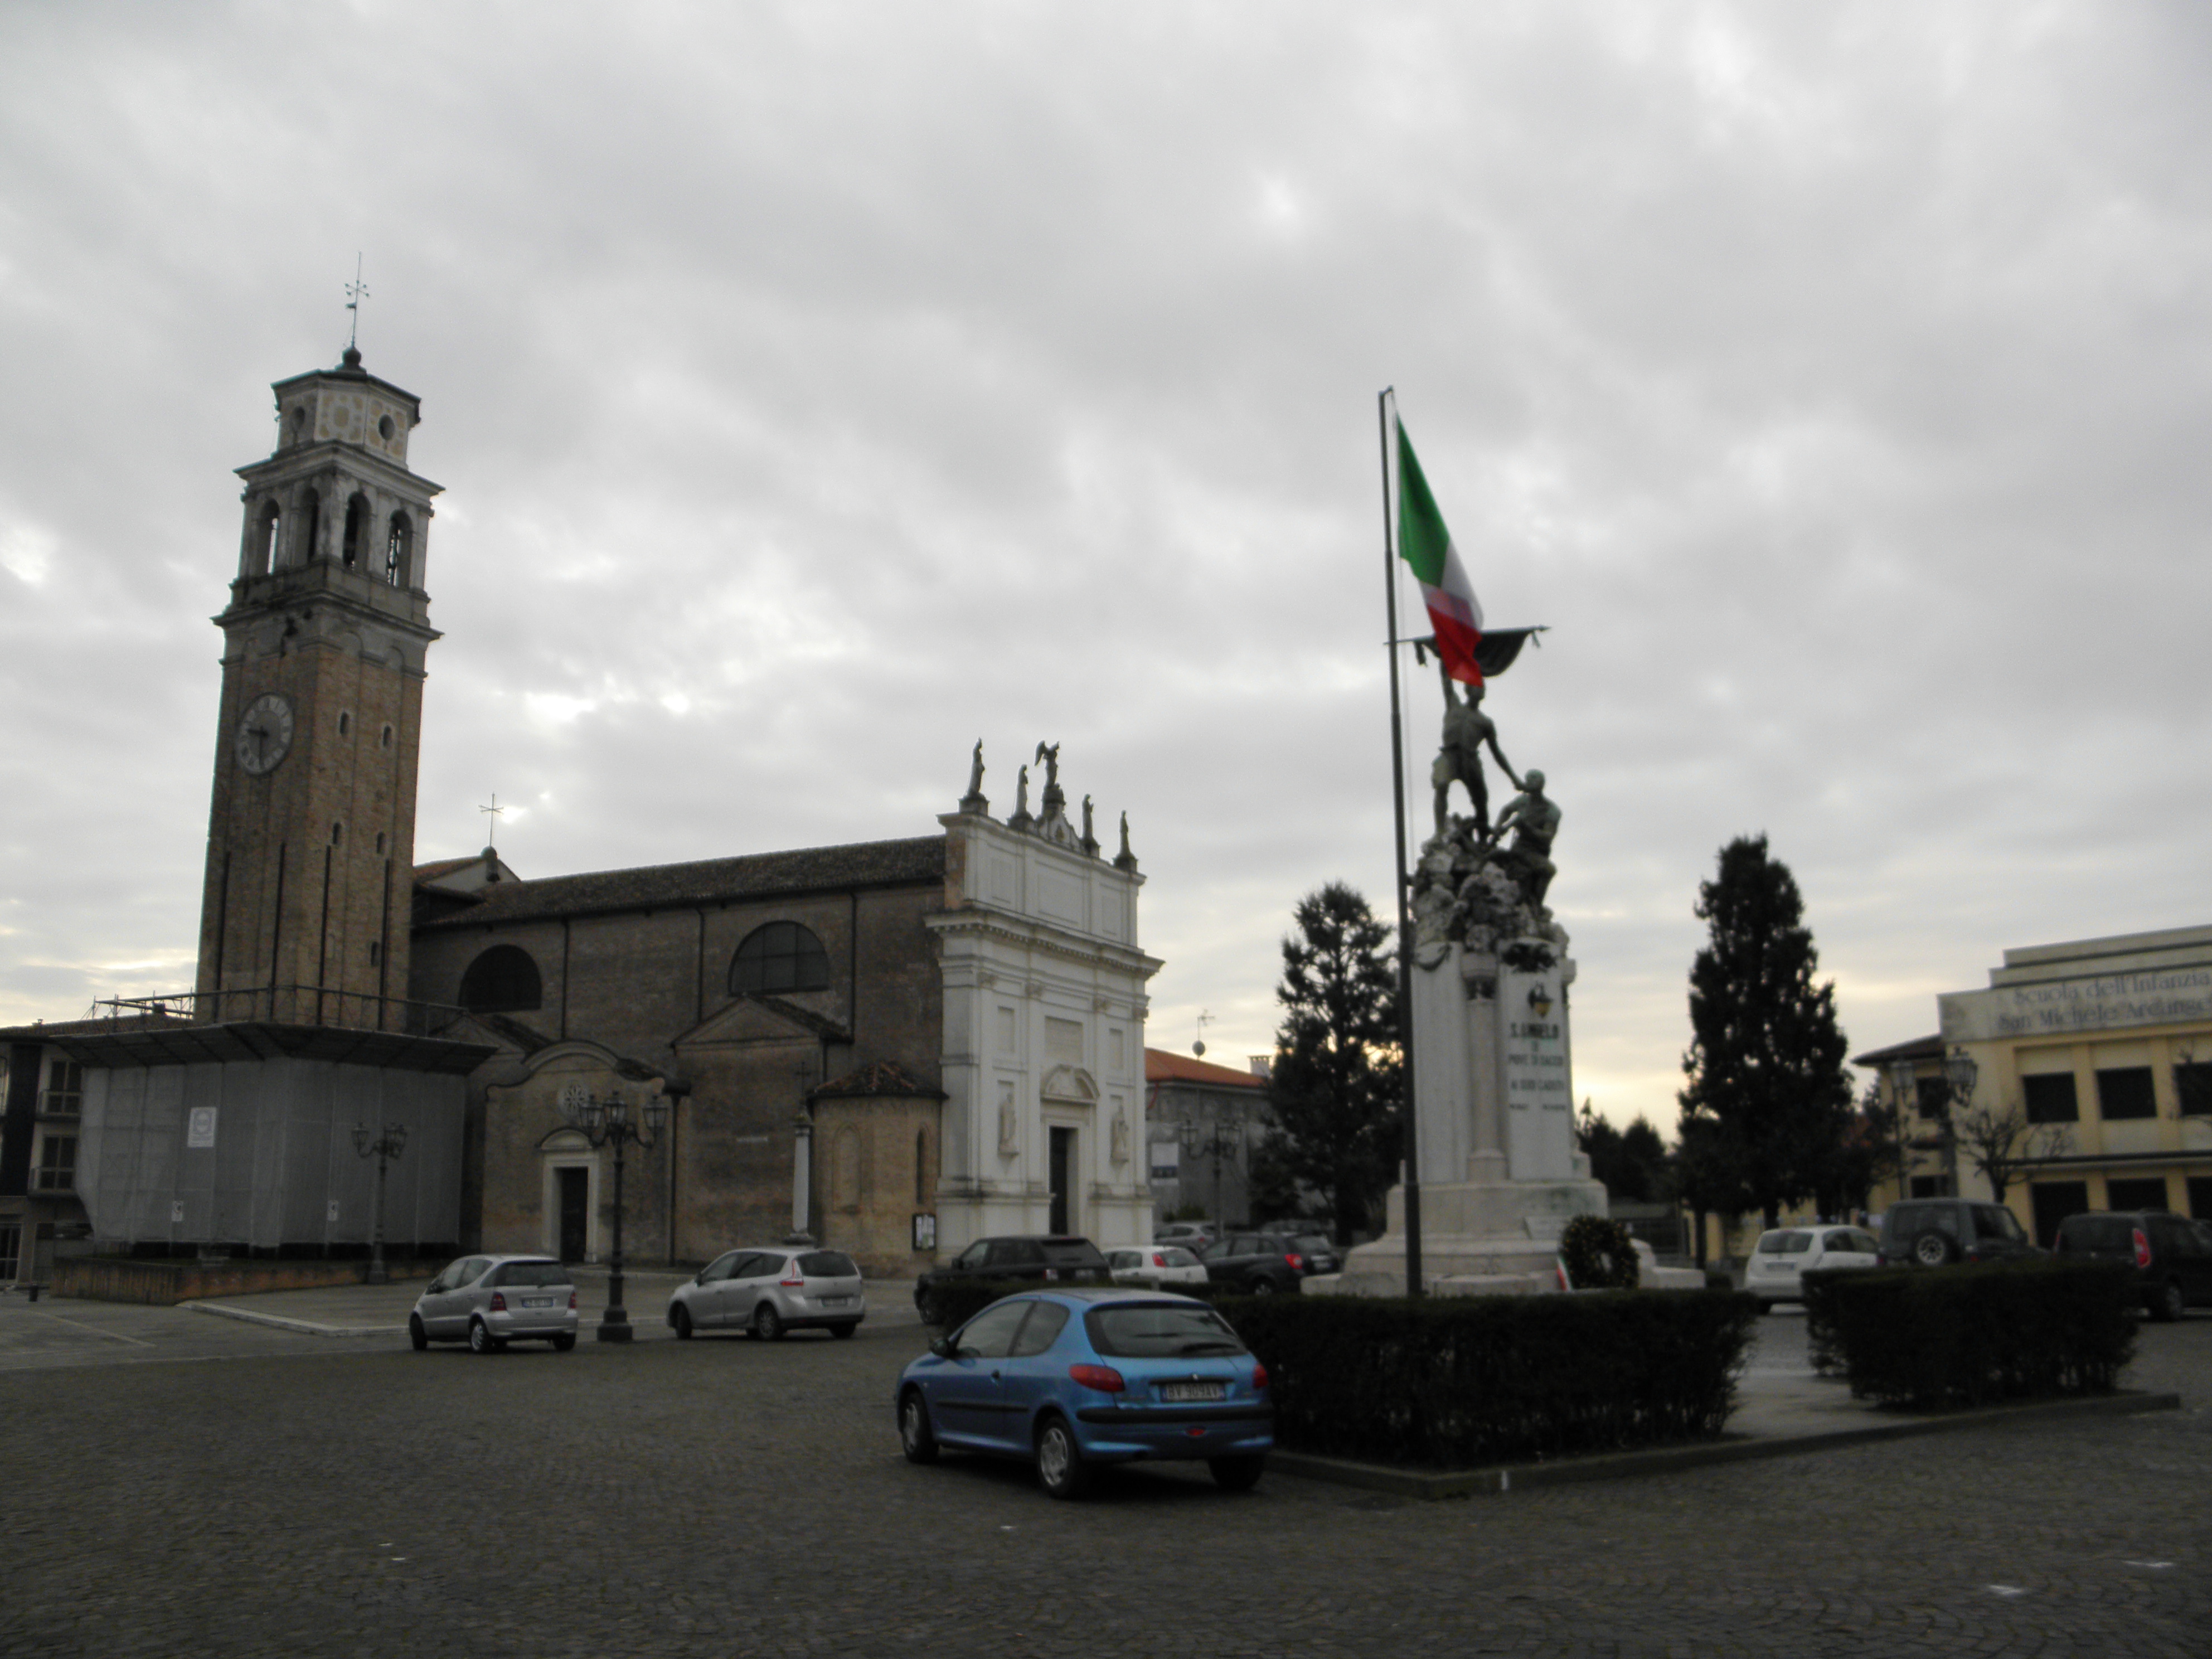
(896,1046)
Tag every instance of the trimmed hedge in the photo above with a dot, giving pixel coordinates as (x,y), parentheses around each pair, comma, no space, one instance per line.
(1974,1334)
(1456,1382)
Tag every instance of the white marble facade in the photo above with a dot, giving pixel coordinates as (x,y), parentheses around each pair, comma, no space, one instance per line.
(1043,1046)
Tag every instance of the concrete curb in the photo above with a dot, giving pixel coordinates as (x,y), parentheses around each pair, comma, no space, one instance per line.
(1665,1460)
(277,1321)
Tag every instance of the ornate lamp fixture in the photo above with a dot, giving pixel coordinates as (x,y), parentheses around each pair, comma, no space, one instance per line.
(607,1123)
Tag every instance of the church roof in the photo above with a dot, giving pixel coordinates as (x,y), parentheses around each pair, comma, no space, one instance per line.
(709,881)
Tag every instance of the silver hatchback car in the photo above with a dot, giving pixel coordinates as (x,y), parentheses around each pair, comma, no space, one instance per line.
(489,1301)
(770,1291)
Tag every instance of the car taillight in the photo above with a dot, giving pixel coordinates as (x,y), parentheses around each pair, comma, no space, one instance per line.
(1297,1262)
(572,1302)
(2142,1249)
(1104,1378)
(1158,1260)
(499,1298)
(1259,1377)
(797,1281)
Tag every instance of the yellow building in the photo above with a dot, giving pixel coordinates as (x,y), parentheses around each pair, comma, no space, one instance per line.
(2094,1056)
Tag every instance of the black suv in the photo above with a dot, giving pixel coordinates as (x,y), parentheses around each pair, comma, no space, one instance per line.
(1929,1232)
(1040,1256)
(1259,1264)
(2171,1254)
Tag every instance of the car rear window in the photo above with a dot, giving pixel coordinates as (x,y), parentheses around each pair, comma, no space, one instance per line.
(828,1264)
(1789,1243)
(1072,1253)
(533,1272)
(1312,1245)
(1173,1256)
(1159,1330)
(2096,1232)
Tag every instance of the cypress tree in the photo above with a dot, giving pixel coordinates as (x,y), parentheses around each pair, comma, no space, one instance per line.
(1767,1110)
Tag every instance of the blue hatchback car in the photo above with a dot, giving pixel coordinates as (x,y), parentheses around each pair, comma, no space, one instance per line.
(1076,1377)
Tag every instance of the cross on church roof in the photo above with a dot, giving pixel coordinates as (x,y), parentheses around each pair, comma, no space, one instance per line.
(491,830)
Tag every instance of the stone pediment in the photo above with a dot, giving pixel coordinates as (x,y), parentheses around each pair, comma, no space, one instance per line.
(761,1019)
(1070,1082)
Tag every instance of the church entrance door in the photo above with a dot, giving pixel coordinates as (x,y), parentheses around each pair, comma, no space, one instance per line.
(1059,1177)
(575,1186)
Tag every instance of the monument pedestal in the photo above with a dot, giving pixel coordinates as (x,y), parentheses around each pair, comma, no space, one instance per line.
(1494,1110)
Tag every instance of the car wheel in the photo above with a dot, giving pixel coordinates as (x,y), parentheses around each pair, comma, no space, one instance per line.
(563,1342)
(843,1331)
(1060,1466)
(930,1308)
(767,1323)
(1237,1473)
(416,1333)
(2167,1305)
(481,1340)
(1933,1249)
(1260,1287)
(682,1320)
(916,1439)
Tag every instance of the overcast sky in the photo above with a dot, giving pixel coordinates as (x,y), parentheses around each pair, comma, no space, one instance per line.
(817,388)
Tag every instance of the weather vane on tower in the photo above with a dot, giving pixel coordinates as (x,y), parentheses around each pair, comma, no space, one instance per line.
(356,291)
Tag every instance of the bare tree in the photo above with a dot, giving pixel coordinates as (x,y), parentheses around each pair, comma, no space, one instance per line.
(2000,1142)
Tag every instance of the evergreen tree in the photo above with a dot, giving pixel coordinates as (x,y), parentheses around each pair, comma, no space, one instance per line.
(1336,1086)
(1768,1107)
(1633,1163)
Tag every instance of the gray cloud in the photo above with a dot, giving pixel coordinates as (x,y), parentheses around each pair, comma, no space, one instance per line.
(819,388)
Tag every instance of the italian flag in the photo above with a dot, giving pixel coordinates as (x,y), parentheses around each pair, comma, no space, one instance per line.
(1426,547)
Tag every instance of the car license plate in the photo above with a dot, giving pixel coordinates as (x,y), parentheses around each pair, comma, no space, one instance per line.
(835,1301)
(536,1301)
(1179,1392)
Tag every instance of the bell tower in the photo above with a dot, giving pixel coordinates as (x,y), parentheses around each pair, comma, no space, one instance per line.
(311,836)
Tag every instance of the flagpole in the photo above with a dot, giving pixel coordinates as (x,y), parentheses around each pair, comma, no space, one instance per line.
(1413,1144)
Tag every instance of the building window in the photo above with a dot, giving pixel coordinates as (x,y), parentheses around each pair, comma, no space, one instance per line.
(57,1164)
(345,723)
(64,1088)
(266,545)
(1932,1095)
(2141,1193)
(2192,1088)
(313,505)
(375,953)
(2124,1092)
(779,956)
(502,980)
(921,1166)
(11,1250)
(353,553)
(2051,1098)
(1935,1185)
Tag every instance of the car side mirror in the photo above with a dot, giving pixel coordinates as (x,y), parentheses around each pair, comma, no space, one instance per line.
(699,1278)
(943,1348)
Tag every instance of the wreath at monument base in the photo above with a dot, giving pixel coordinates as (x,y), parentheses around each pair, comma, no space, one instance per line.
(1599,1254)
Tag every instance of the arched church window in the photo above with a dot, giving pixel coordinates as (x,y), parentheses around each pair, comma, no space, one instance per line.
(397,535)
(311,510)
(782,956)
(355,552)
(502,980)
(264,544)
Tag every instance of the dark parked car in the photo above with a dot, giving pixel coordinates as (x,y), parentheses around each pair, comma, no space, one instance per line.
(1931,1232)
(1047,1258)
(1072,1379)
(1260,1264)
(2171,1254)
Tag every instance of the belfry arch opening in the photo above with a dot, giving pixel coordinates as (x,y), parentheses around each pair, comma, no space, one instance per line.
(398,542)
(353,551)
(311,528)
(261,551)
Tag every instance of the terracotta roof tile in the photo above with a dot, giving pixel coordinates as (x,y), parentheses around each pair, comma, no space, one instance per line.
(1163,1065)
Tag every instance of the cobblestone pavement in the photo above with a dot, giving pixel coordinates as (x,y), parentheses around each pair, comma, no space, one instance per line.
(726,1497)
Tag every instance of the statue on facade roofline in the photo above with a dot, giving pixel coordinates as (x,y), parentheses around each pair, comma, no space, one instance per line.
(1021,818)
(974,801)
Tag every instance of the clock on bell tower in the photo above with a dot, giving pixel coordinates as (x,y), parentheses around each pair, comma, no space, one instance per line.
(311,837)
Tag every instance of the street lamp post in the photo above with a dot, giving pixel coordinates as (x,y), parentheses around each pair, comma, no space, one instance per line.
(1224,1134)
(1906,1090)
(1960,1076)
(607,1123)
(384,1147)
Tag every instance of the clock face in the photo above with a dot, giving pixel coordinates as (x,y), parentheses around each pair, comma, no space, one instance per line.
(265,734)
